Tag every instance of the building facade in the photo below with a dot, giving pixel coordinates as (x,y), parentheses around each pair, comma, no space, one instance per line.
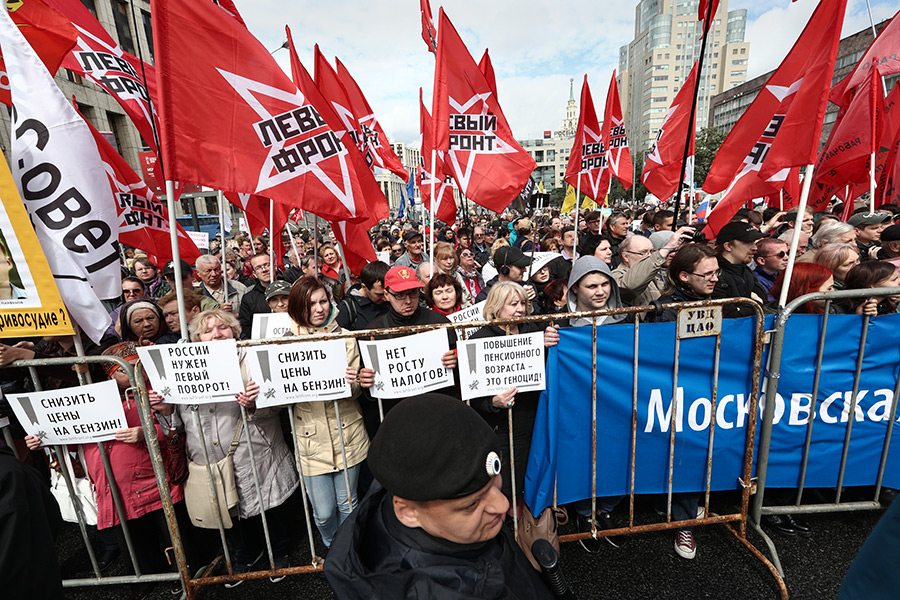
(666,44)
(551,152)
(726,108)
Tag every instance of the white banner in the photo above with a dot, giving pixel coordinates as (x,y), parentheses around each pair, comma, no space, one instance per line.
(62,179)
(270,325)
(302,372)
(408,365)
(489,366)
(473,313)
(195,373)
(200,238)
(78,415)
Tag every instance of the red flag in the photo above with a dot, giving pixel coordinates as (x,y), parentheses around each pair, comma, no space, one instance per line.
(881,53)
(97,57)
(367,125)
(232,120)
(489,166)
(663,168)
(256,208)
(587,160)
(429,33)
(49,33)
(445,205)
(854,137)
(887,166)
(781,127)
(486,67)
(615,138)
(704,6)
(356,244)
(372,203)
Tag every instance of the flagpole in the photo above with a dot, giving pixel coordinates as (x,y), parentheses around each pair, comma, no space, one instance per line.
(316,247)
(220,197)
(271,240)
(795,239)
(871,183)
(340,248)
(692,126)
(577,200)
(176,258)
(781,199)
(431,208)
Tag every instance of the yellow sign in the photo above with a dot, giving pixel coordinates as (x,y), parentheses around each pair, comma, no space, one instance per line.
(30,304)
(568,201)
(588,204)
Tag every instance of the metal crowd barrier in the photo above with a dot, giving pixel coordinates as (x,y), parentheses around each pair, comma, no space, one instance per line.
(773,373)
(159,471)
(736,522)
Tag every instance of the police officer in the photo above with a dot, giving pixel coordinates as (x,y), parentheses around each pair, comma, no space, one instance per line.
(436,529)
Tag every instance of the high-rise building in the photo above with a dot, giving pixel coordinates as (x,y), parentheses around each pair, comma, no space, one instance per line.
(551,152)
(666,44)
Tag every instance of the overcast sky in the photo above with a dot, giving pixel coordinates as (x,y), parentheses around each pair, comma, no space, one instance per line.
(535,47)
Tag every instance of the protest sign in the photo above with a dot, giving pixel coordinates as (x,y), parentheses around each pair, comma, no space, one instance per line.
(30,304)
(200,239)
(408,365)
(492,365)
(302,372)
(473,313)
(195,373)
(270,325)
(88,413)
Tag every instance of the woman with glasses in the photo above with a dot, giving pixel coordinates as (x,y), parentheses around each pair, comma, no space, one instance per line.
(471,277)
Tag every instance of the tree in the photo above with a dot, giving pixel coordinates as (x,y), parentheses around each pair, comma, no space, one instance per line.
(708,142)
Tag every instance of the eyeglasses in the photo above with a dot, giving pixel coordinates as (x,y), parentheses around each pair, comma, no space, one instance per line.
(781,254)
(643,253)
(407,295)
(262,267)
(396,250)
(708,276)
(133,292)
(466,254)
(479,235)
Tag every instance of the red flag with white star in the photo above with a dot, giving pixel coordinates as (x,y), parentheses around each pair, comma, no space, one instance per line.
(232,119)
(445,205)
(663,167)
(429,33)
(369,130)
(488,164)
(97,57)
(615,138)
(781,128)
(487,67)
(587,159)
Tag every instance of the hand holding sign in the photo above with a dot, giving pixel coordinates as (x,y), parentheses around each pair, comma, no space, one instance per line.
(410,365)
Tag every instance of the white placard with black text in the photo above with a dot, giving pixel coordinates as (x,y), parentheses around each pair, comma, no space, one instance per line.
(200,239)
(489,366)
(408,365)
(302,372)
(472,313)
(78,415)
(195,373)
(270,325)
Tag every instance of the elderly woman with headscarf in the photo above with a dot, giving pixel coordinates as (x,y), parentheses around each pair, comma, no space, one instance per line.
(141,321)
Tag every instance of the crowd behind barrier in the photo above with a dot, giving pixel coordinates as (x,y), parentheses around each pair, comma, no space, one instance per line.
(632,439)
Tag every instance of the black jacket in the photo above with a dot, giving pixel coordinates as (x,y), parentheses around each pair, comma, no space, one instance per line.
(29,520)
(373,555)
(482,254)
(737,281)
(357,311)
(253,302)
(665,314)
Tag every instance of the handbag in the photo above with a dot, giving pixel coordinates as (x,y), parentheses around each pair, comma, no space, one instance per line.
(531,529)
(198,498)
(84,493)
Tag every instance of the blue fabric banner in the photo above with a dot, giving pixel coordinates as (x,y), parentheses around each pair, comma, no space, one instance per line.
(561,445)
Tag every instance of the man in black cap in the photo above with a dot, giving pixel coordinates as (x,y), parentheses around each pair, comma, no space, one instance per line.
(415,250)
(890,243)
(436,529)
(735,247)
(511,264)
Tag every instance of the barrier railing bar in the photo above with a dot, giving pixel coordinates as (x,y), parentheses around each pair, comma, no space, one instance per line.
(217,507)
(340,426)
(254,468)
(759,341)
(887,442)
(512,473)
(851,417)
(594,426)
(312,545)
(673,419)
(712,419)
(813,403)
(634,411)
(68,477)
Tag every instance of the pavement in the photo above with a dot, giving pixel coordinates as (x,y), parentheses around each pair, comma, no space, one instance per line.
(645,567)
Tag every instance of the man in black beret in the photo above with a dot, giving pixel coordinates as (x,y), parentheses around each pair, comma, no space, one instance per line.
(436,528)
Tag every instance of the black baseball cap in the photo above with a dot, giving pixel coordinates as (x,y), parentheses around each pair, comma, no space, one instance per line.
(738,230)
(507,255)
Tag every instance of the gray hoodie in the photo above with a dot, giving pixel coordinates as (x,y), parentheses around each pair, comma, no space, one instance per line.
(582,267)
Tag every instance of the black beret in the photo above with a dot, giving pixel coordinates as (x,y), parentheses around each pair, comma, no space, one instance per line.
(434,447)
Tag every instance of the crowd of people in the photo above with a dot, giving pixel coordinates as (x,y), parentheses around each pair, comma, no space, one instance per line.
(517,265)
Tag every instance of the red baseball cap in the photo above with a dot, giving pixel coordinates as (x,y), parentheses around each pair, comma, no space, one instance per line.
(400,279)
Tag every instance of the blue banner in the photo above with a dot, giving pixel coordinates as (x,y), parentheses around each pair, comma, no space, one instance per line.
(561,445)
